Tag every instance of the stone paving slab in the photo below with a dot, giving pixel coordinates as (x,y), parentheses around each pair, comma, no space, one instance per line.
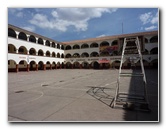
(74,95)
(40,109)
(87,110)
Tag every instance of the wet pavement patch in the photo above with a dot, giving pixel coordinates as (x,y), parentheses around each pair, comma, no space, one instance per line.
(44,85)
(20,91)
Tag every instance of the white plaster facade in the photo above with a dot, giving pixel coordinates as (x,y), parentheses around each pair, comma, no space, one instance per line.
(31,51)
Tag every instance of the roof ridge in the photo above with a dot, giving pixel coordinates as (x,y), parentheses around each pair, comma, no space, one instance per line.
(108,37)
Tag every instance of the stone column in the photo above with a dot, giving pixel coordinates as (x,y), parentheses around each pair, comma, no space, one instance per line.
(50,66)
(64,66)
(27,37)
(36,67)
(27,67)
(17,51)
(44,42)
(17,69)
(44,65)
(37,39)
(80,66)
(89,66)
(17,33)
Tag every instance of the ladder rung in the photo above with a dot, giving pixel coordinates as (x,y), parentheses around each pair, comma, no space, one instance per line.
(131,98)
(141,101)
(131,37)
(132,55)
(130,94)
(131,50)
(127,47)
(134,38)
(131,75)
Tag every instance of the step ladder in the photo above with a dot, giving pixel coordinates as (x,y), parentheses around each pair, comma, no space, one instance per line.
(132,52)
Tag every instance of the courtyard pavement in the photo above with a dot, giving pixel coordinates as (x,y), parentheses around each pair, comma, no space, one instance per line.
(75,95)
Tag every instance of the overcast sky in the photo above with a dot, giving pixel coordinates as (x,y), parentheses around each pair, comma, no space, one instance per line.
(66,24)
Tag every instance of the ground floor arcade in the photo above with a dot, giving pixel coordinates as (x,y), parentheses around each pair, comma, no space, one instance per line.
(35,66)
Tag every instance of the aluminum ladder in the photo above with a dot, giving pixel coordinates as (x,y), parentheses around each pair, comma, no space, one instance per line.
(132,52)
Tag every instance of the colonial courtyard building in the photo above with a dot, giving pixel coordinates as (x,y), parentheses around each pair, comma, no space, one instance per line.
(28,51)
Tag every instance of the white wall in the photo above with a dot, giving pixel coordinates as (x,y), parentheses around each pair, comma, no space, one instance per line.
(18,43)
(28,58)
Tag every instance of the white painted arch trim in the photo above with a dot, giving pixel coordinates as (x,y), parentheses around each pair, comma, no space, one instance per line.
(28,58)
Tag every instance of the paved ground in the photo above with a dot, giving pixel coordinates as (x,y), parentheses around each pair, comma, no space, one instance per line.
(74,95)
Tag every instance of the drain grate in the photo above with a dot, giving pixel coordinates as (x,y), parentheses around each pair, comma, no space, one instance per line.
(20,91)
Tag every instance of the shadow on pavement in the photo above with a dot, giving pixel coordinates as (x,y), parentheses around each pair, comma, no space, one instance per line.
(102,94)
(134,85)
